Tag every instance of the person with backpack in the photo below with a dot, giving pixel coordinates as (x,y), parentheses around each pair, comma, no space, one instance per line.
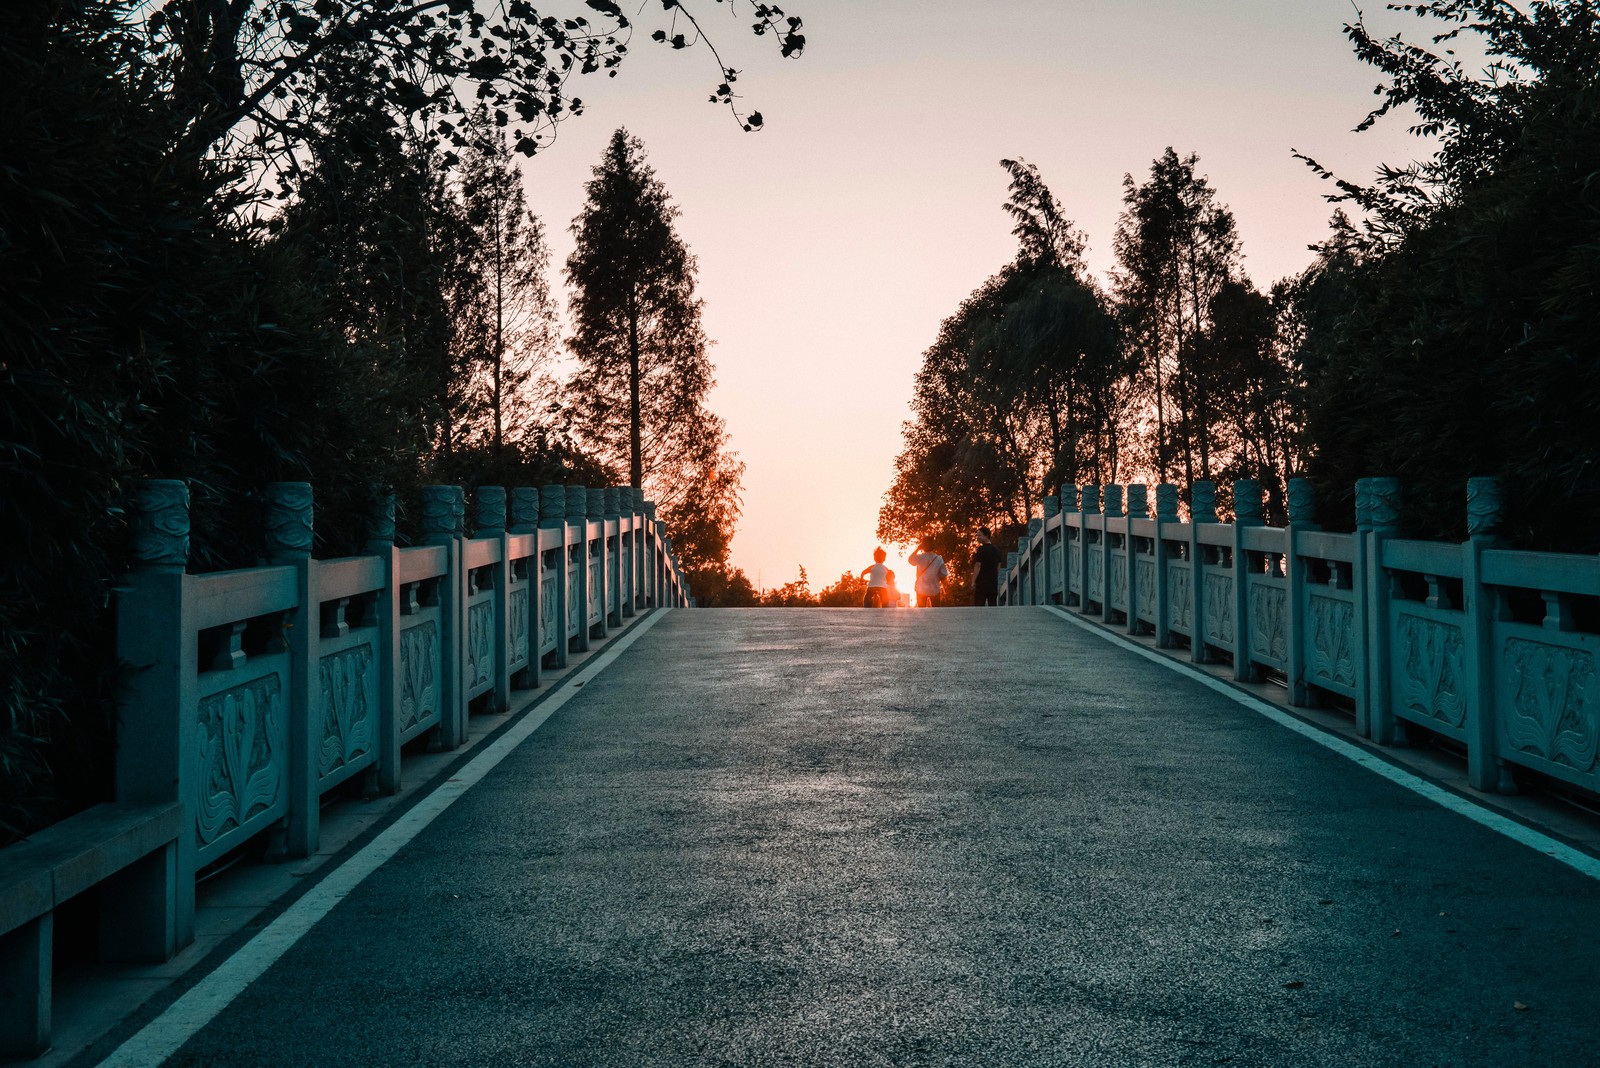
(931,571)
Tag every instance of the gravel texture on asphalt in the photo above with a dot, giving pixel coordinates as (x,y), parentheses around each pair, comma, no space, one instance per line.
(953,837)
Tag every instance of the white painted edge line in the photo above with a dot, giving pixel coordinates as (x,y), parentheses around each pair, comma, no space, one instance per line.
(162,1037)
(1520,833)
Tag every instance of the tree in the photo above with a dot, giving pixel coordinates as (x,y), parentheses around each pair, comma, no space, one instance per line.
(643,371)
(1461,318)
(499,298)
(240,75)
(848,592)
(1176,247)
(1018,391)
(793,594)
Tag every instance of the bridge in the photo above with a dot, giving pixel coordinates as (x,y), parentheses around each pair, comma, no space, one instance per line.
(644,836)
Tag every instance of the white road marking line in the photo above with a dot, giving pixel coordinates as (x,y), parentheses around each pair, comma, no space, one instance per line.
(1523,835)
(162,1037)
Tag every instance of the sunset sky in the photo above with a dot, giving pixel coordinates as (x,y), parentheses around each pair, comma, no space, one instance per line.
(832,243)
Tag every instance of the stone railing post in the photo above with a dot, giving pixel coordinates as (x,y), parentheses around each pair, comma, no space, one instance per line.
(1037,564)
(489,521)
(380,543)
(156,753)
(1024,582)
(1113,510)
(1069,516)
(1138,508)
(524,519)
(1302,516)
(289,535)
(578,550)
(1485,518)
(1011,580)
(1378,502)
(657,575)
(1166,512)
(553,516)
(1202,509)
(1246,514)
(443,519)
(641,571)
(1051,562)
(599,509)
(1090,507)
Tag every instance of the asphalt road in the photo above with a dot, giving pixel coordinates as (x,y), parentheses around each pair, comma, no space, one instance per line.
(959,837)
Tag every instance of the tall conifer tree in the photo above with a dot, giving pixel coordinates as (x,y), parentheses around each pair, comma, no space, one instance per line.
(639,393)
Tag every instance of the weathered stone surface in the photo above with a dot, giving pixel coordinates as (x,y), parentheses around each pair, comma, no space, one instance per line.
(289,519)
(160,512)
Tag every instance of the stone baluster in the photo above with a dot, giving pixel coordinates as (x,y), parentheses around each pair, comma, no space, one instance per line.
(1378,502)
(490,522)
(1166,513)
(1247,505)
(1302,517)
(1202,510)
(1092,533)
(444,510)
(288,538)
(577,620)
(380,526)
(1071,532)
(1485,521)
(156,757)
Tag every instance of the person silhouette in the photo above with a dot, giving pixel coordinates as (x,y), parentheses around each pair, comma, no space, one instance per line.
(931,571)
(878,578)
(986,569)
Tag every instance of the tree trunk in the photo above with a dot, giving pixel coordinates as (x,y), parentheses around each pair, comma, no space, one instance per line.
(635,429)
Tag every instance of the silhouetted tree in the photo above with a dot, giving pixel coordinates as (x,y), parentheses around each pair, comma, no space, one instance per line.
(1176,247)
(242,74)
(643,373)
(1462,341)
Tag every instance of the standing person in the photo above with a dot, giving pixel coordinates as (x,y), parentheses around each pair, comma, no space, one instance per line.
(878,579)
(986,570)
(930,572)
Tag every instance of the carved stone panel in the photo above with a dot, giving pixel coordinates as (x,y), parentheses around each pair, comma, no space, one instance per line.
(574,601)
(1118,594)
(419,687)
(1097,567)
(347,704)
(480,644)
(549,625)
(1074,566)
(1269,629)
(1145,573)
(1553,706)
(1429,671)
(1333,640)
(519,627)
(240,754)
(1219,608)
(1180,599)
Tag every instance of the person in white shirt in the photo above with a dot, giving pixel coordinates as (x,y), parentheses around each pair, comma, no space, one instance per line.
(931,571)
(877,577)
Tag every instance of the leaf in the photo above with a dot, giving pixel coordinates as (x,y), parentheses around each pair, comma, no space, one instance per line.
(755,119)
(1519,1006)
(1295,984)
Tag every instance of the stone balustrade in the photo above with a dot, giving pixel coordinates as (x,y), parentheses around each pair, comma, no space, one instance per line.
(252,693)
(1491,648)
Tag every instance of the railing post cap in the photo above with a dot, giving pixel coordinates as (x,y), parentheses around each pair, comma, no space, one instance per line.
(159,511)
